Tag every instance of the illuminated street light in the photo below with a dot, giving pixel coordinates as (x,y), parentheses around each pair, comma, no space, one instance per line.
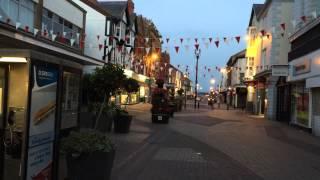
(212,81)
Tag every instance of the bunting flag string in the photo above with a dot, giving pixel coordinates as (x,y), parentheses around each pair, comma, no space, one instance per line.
(282,30)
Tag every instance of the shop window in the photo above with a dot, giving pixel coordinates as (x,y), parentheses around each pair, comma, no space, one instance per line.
(70,100)
(300,105)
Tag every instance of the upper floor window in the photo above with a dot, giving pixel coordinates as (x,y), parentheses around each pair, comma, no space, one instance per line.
(264,58)
(64,30)
(21,11)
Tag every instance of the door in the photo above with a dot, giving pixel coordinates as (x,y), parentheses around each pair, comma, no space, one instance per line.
(2,120)
(14,81)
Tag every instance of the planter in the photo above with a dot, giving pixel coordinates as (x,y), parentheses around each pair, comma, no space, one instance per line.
(122,123)
(160,118)
(97,166)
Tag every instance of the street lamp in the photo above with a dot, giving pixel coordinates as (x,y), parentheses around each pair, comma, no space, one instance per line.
(197,53)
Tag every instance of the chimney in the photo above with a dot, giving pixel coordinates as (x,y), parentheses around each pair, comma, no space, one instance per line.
(130,7)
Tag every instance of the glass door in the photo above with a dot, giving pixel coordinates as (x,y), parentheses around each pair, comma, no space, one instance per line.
(14,82)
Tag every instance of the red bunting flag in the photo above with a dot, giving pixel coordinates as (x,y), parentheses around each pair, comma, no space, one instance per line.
(196,40)
(26,28)
(168,39)
(283,26)
(157,49)
(100,47)
(263,32)
(209,69)
(177,49)
(197,46)
(119,48)
(268,36)
(210,39)
(238,39)
(304,18)
(45,33)
(217,43)
(98,37)
(181,40)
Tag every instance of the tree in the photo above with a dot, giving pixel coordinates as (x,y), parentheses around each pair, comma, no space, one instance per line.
(131,86)
(102,84)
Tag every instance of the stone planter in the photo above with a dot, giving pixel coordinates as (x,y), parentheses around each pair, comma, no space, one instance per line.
(122,123)
(97,166)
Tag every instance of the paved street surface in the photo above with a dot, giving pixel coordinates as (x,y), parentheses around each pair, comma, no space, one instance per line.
(214,144)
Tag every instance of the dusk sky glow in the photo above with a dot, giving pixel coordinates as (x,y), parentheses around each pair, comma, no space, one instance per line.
(177,19)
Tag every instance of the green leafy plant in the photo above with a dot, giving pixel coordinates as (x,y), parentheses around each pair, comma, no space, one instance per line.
(180,92)
(101,85)
(86,142)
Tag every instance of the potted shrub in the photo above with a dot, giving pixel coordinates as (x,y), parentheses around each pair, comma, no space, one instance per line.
(90,155)
(122,121)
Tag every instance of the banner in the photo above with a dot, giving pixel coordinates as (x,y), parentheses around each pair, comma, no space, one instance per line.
(42,122)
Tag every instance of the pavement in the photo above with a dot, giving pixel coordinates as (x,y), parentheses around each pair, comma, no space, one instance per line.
(214,144)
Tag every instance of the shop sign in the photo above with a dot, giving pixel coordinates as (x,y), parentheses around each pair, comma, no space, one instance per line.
(280,70)
(302,68)
(42,122)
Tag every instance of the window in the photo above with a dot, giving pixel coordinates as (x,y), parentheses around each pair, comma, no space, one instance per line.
(70,100)
(19,11)
(264,58)
(64,29)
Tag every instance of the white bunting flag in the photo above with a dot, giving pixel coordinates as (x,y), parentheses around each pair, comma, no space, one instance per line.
(35,31)
(165,64)
(161,68)
(90,45)
(170,70)
(314,14)
(18,25)
(294,24)
(53,37)
(147,40)
(141,66)
(148,50)
(128,49)
(133,39)
(51,31)
(78,36)
(109,48)
(72,41)
(64,34)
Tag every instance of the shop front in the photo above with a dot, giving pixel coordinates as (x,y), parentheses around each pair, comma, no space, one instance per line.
(141,96)
(39,103)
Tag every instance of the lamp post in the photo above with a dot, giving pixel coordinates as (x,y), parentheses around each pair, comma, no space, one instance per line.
(197,53)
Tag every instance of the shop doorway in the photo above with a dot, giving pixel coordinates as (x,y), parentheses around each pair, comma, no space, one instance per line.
(14,82)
